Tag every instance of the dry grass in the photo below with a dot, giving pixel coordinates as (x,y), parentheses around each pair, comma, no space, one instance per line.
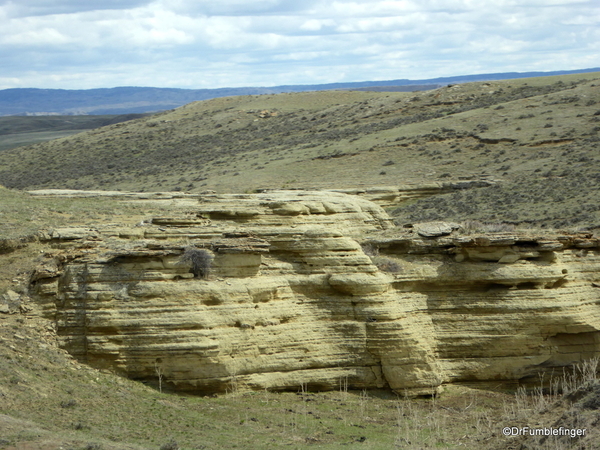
(537,137)
(23,215)
(475,226)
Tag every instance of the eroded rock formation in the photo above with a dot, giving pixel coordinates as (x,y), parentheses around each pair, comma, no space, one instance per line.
(319,288)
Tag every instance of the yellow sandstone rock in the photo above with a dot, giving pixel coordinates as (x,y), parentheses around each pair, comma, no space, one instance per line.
(292,298)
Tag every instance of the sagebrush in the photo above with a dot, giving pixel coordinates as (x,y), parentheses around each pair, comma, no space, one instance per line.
(200,260)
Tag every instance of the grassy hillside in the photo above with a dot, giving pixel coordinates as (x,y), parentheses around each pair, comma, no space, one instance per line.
(536,137)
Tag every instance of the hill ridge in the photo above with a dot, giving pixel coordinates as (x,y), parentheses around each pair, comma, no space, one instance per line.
(136,99)
(536,137)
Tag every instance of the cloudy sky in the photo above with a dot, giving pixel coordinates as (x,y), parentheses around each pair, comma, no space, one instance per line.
(75,44)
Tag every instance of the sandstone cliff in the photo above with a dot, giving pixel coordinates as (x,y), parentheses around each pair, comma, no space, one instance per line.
(319,288)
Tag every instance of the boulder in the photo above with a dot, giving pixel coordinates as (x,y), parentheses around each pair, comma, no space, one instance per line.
(435,229)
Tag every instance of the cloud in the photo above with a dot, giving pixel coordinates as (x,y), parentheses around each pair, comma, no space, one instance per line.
(28,8)
(191,43)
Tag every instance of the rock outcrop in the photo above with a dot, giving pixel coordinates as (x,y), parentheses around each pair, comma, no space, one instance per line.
(319,288)
(389,196)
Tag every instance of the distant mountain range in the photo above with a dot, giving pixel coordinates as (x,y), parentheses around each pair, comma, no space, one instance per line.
(135,100)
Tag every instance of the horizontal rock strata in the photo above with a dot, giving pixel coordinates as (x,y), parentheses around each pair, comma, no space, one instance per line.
(319,289)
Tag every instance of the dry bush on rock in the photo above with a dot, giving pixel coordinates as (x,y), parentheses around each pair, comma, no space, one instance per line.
(200,260)
(386,264)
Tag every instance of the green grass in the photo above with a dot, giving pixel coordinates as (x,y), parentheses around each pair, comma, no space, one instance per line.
(20,139)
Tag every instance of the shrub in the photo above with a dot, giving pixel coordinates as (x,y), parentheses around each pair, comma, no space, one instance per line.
(370,250)
(199,259)
(171,445)
(93,446)
(386,264)
(68,403)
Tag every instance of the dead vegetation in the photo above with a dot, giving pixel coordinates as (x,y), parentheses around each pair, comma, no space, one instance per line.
(199,260)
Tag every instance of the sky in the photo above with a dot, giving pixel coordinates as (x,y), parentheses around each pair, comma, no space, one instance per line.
(75,44)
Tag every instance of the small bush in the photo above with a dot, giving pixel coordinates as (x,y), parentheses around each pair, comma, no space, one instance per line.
(370,250)
(93,446)
(386,264)
(383,263)
(200,259)
(171,445)
(68,403)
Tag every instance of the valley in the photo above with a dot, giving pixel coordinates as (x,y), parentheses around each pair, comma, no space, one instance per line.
(374,269)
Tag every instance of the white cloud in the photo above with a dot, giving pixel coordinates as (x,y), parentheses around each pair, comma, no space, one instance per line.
(28,8)
(46,37)
(146,28)
(191,43)
(317,24)
(234,8)
(301,56)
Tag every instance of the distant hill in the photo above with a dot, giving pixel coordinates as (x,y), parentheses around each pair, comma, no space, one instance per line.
(127,100)
(536,139)
(16,131)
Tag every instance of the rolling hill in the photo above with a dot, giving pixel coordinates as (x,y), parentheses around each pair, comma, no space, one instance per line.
(135,100)
(522,152)
(535,139)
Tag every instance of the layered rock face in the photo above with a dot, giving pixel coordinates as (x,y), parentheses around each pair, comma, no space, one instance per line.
(319,289)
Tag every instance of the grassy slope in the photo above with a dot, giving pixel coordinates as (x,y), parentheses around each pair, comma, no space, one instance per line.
(47,400)
(538,137)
